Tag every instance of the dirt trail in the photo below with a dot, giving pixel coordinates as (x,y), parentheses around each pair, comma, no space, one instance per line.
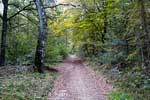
(78,82)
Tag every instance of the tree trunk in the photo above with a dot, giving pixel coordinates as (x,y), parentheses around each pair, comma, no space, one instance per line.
(42,37)
(105,23)
(144,26)
(4,32)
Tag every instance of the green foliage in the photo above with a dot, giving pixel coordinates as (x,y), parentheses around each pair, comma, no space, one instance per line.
(135,82)
(132,82)
(63,51)
(22,37)
(20,48)
(26,87)
(118,49)
(108,31)
(56,49)
(133,56)
(119,95)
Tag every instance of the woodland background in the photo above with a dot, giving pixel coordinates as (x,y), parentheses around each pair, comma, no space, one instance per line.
(113,35)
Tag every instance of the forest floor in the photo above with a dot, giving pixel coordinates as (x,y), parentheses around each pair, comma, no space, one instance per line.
(22,83)
(78,82)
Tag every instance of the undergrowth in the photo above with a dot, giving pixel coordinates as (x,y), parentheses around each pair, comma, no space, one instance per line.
(32,86)
(130,83)
(119,95)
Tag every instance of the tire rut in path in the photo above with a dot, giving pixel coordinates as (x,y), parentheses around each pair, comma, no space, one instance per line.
(78,82)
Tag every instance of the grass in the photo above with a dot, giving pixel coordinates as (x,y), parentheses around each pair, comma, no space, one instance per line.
(31,86)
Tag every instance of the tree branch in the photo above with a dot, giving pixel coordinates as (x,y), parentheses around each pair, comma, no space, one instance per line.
(24,8)
(61,4)
(30,19)
(67,4)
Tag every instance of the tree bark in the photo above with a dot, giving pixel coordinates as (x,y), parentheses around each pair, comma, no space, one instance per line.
(42,37)
(4,32)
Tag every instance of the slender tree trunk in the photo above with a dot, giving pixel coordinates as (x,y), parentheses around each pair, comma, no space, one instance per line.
(105,21)
(144,26)
(105,24)
(4,32)
(42,37)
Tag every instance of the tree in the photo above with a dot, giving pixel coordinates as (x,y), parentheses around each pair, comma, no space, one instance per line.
(5,20)
(4,32)
(42,37)
(144,27)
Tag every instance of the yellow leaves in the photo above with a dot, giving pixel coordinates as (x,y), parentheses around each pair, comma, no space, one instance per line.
(68,24)
(77,22)
(61,27)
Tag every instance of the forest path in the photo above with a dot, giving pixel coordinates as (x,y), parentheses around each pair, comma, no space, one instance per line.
(78,82)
